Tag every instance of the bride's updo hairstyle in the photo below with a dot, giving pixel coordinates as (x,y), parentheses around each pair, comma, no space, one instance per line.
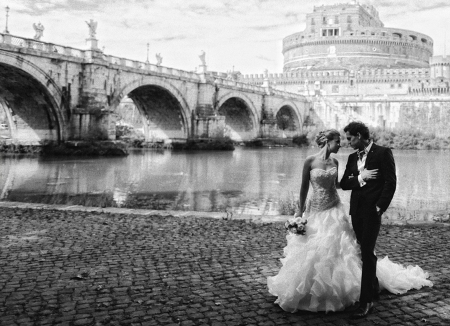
(324,136)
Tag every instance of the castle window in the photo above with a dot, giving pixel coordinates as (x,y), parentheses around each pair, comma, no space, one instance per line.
(324,20)
(330,32)
(312,21)
(349,19)
(392,85)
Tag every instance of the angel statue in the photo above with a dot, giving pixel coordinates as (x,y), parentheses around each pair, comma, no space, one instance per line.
(158,59)
(39,29)
(92,28)
(202,58)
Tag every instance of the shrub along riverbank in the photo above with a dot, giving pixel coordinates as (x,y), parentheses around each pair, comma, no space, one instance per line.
(404,139)
(69,148)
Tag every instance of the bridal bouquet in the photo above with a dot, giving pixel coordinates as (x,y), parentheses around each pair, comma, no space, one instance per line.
(296,225)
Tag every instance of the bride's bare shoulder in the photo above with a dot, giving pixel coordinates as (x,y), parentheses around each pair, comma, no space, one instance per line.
(310,159)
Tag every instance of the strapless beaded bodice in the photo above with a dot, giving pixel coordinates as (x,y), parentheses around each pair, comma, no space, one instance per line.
(324,194)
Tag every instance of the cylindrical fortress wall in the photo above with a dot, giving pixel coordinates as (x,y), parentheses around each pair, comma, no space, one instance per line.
(393,48)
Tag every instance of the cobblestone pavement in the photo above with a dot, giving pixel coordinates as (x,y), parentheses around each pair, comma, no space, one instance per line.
(66,267)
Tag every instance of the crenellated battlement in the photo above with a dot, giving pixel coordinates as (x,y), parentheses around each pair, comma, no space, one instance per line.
(333,75)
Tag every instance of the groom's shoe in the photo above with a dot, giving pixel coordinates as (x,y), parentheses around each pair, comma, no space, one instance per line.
(362,311)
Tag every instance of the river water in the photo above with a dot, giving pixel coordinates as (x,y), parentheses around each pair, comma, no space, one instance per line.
(245,181)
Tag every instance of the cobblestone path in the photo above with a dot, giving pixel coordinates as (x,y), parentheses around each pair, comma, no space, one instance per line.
(91,268)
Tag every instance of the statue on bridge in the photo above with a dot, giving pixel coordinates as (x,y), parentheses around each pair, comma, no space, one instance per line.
(39,29)
(158,59)
(202,58)
(92,28)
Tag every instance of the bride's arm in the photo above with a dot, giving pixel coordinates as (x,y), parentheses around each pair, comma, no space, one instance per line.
(338,185)
(304,186)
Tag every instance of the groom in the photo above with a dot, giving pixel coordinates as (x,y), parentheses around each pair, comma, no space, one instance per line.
(370,174)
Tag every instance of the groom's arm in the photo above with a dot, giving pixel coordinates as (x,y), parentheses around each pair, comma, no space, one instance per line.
(390,180)
(349,181)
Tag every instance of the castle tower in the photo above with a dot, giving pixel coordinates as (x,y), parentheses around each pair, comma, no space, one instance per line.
(440,67)
(352,37)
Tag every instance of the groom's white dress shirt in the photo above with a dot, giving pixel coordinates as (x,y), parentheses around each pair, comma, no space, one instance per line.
(362,162)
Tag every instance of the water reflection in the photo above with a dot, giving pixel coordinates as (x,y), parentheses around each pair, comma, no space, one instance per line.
(248,181)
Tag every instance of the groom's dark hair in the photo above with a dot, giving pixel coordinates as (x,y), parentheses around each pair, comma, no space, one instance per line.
(356,126)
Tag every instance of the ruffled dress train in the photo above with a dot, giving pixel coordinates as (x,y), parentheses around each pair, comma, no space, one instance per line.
(321,270)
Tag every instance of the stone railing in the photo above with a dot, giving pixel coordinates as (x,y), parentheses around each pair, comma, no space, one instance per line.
(277,92)
(230,82)
(150,67)
(26,43)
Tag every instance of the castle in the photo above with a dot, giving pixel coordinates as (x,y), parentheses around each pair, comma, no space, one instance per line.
(352,67)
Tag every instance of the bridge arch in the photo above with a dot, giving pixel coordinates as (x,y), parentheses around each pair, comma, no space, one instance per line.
(31,101)
(241,115)
(289,119)
(164,107)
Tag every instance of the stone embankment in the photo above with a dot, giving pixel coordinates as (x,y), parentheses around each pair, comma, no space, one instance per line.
(62,265)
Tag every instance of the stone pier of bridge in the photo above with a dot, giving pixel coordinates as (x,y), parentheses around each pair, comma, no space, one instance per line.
(52,92)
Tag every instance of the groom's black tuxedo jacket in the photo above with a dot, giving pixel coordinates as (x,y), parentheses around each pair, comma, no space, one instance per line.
(377,191)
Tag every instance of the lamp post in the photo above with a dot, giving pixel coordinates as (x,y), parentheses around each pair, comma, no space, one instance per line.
(148,45)
(7,15)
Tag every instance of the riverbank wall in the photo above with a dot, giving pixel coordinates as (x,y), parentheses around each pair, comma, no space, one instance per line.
(393,216)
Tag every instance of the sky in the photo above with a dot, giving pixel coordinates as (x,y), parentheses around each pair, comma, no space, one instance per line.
(240,35)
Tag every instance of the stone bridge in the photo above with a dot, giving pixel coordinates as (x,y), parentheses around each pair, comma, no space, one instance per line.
(51,92)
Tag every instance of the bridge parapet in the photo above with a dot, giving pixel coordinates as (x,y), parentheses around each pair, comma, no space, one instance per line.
(237,84)
(285,94)
(26,43)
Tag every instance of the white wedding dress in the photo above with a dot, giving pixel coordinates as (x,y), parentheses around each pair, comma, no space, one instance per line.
(321,271)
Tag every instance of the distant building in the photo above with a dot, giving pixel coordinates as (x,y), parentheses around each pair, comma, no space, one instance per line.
(345,49)
(351,67)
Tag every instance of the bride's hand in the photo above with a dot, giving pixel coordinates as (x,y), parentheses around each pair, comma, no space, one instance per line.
(297,214)
(369,174)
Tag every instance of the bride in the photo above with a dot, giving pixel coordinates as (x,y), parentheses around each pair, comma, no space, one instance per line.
(321,270)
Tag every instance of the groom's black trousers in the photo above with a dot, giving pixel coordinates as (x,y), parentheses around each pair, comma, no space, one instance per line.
(366,224)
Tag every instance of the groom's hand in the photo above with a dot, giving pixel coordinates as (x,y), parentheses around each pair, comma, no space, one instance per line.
(369,174)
